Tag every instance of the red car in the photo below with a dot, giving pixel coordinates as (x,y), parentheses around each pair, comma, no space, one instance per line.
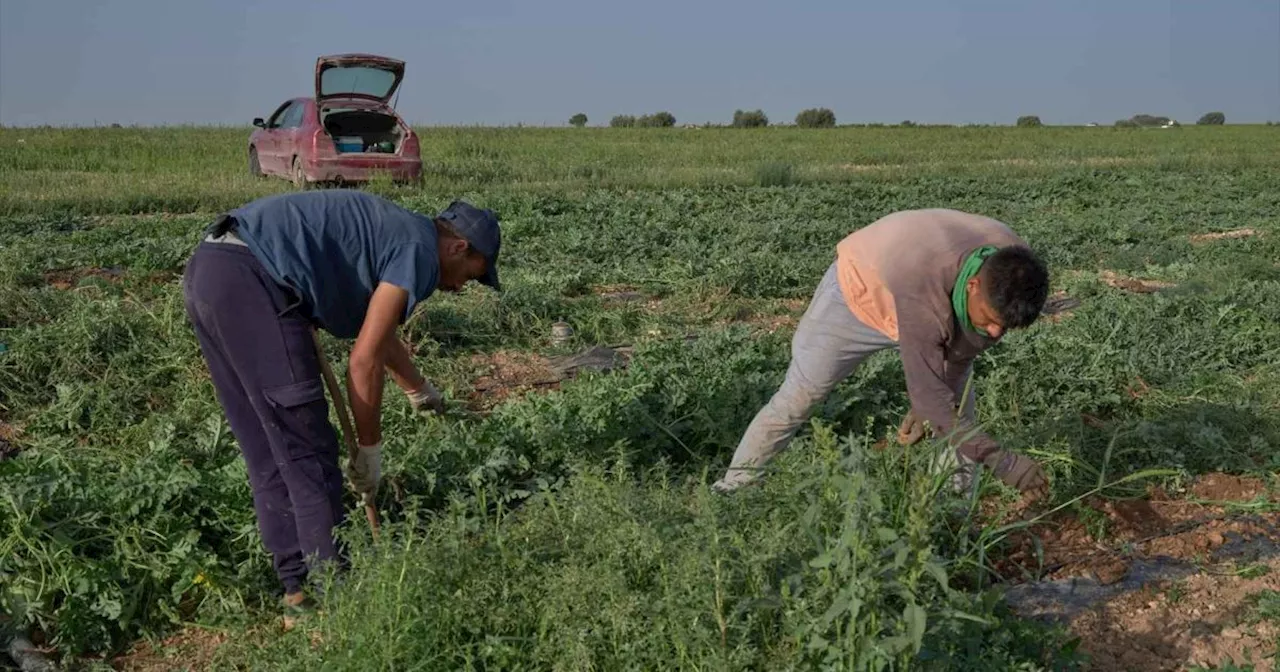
(346,133)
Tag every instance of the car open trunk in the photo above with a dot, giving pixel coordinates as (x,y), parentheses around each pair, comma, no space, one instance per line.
(362,131)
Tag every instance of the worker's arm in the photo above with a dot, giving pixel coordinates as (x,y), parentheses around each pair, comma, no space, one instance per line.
(932,391)
(400,366)
(934,398)
(370,355)
(423,396)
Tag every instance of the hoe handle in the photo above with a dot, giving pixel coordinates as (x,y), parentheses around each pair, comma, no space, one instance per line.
(348,433)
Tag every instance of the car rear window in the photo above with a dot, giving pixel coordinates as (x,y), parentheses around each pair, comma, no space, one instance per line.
(356,79)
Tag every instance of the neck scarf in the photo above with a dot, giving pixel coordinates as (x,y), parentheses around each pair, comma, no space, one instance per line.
(959,293)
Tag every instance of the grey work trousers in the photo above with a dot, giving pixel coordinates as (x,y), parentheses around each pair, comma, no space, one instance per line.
(829,344)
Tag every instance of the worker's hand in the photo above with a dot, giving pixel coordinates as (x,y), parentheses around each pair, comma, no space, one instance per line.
(365,470)
(426,399)
(1020,472)
(911,430)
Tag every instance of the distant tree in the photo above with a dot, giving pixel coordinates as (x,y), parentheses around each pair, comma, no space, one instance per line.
(751,119)
(657,120)
(578,120)
(622,121)
(817,117)
(1148,120)
(1126,123)
(1029,121)
(907,123)
(1213,119)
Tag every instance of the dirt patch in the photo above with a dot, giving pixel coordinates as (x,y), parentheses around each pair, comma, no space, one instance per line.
(1104,536)
(1135,285)
(618,293)
(784,315)
(1202,619)
(1154,583)
(869,167)
(69,278)
(66,278)
(1091,161)
(189,649)
(509,374)
(8,437)
(1228,488)
(1224,235)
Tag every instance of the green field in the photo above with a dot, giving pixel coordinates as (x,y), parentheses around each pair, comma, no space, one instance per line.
(570,526)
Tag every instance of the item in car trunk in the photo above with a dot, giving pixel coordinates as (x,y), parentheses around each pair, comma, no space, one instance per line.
(349,144)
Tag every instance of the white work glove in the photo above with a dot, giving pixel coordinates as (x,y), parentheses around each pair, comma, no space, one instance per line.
(365,470)
(426,398)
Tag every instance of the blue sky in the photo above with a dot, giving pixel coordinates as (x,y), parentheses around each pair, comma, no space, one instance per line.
(502,62)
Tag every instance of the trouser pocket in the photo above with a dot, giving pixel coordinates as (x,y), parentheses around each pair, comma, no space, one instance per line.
(302,420)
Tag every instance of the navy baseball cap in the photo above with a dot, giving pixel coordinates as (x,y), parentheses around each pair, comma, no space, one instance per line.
(480,228)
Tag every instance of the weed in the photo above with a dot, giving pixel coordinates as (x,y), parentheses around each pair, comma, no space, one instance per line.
(774,175)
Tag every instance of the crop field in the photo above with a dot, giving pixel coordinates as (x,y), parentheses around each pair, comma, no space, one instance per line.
(562,518)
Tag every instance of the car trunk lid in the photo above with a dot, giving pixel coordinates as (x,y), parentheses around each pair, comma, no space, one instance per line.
(360,76)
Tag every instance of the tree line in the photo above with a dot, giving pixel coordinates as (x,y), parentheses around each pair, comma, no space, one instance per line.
(821,117)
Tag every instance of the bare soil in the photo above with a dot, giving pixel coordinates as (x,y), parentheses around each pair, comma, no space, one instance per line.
(1135,285)
(1106,535)
(1200,620)
(69,278)
(1224,235)
(190,649)
(783,316)
(8,436)
(508,374)
(66,278)
(1168,625)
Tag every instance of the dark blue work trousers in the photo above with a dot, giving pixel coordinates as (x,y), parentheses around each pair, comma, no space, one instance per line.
(266,374)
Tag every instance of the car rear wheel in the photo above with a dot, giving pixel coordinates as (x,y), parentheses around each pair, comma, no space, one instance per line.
(299,177)
(255,168)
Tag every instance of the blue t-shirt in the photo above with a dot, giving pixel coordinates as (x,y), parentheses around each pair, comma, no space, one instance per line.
(334,246)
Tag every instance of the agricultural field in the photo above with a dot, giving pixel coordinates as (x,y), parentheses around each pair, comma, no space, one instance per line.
(561,517)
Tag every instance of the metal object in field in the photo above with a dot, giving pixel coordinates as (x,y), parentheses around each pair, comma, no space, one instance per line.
(561,332)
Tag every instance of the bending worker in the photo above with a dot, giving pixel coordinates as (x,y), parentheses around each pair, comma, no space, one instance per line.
(941,286)
(355,265)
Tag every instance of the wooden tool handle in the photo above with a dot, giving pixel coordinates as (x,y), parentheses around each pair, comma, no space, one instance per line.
(348,432)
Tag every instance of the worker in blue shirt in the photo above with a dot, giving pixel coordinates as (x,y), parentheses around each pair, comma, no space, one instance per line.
(355,265)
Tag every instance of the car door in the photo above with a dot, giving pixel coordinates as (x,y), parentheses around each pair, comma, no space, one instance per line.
(288,135)
(269,149)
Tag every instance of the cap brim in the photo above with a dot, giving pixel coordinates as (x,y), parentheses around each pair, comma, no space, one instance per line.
(490,278)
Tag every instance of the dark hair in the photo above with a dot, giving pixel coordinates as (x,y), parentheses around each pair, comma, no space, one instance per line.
(1016,283)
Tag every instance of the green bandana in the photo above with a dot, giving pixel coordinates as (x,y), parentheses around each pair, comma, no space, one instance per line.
(960,297)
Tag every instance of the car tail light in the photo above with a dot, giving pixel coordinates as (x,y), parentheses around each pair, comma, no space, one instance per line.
(409,147)
(322,144)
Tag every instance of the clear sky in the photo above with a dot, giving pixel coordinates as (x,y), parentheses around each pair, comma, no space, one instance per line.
(502,61)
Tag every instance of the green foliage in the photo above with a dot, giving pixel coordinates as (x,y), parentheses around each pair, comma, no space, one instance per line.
(816,117)
(572,528)
(622,121)
(656,120)
(617,567)
(1146,120)
(750,119)
(1212,119)
(1029,121)
(774,174)
(63,172)
(579,120)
